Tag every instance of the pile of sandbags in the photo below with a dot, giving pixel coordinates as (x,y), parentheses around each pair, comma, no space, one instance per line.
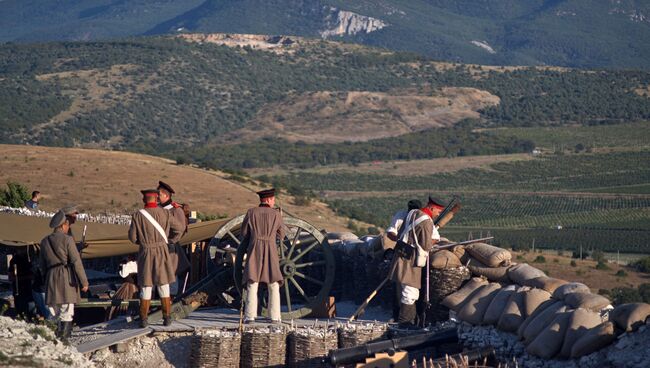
(554,318)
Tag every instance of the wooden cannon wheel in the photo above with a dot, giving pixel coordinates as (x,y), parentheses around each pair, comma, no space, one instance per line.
(306,261)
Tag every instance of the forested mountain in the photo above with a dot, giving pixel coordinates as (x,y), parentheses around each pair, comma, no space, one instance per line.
(233,101)
(573,33)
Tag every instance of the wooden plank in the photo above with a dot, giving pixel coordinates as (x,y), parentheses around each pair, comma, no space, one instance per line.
(110,340)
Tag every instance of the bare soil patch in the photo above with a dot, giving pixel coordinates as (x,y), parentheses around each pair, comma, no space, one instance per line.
(331,117)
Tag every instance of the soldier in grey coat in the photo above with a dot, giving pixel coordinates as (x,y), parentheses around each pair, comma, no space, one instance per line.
(151,227)
(262,226)
(64,273)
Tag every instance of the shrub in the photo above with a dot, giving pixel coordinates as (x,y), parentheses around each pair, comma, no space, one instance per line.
(573,263)
(15,195)
(301,201)
(598,256)
(642,265)
(602,266)
(621,273)
(622,295)
(539,259)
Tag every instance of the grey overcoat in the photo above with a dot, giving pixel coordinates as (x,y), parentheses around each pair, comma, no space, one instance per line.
(59,250)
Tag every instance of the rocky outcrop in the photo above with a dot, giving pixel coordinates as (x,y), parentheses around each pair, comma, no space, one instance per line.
(346,23)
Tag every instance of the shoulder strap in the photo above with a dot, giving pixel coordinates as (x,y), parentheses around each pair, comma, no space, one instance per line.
(56,254)
(154,223)
(411,223)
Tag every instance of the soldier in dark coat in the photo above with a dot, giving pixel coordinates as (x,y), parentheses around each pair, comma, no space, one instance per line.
(65,274)
(180,263)
(151,227)
(261,228)
(418,229)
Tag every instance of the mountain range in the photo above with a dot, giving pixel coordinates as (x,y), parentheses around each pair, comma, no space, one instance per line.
(572,33)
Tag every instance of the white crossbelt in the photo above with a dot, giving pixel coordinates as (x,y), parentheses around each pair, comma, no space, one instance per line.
(154,223)
(412,225)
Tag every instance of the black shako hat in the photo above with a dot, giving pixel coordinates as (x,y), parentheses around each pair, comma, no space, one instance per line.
(436,201)
(266,193)
(165,186)
(414,204)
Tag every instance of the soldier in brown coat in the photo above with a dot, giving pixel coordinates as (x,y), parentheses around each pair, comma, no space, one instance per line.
(151,227)
(417,229)
(180,263)
(261,228)
(64,273)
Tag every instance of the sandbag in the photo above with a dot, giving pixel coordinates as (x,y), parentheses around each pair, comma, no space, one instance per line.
(455,301)
(580,321)
(495,309)
(545,283)
(533,298)
(489,255)
(631,316)
(459,251)
(474,309)
(512,316)
(444,259)
(570,288)
(549,341)
(521,272)
(594,340)
(588,301)
(539,310)
(496,274)
(542,321)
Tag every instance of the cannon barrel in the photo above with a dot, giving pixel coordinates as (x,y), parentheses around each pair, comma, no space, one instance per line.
(356,353)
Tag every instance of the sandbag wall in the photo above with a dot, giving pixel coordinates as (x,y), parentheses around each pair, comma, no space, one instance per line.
(555,319)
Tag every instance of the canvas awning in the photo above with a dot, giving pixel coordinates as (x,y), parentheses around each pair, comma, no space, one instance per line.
(104,240)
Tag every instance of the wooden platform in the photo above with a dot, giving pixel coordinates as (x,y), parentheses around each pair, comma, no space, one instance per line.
(199,319)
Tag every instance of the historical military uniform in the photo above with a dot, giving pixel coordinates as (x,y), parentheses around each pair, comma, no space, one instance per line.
(151,228)
(179,260)
(261,228)
(417,229)
(65,274)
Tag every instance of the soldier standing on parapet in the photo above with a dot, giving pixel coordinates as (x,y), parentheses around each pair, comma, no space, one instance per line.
(180,263)
(64,273)
(262,226)
(414,243)
(151,227)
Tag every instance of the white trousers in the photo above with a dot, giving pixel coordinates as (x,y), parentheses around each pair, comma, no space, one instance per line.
(250,311)
(163,291)
(62,312)
(409,295)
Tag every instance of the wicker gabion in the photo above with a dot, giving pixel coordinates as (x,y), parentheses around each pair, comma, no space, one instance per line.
(215,348)
(443,282)
(264,347)
(358,334)
(308,346)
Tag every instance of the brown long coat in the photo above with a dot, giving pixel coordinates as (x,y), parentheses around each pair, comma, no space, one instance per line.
(261,228)
(180,263)
(154,264)
(406,272)
(57,251)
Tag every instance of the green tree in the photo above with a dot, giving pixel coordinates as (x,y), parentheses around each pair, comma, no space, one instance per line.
(15,195)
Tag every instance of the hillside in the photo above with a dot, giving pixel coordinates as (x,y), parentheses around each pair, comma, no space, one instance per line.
(574,33)
(241,101)
(110,181)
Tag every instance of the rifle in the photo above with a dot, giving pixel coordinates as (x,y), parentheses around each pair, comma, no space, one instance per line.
(466,242)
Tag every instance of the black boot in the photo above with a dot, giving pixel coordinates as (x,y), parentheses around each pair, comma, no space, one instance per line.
(407,314)
(59,330)
(67,331)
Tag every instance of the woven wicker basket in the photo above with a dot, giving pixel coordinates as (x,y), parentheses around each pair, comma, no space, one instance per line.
(215,348)
(443,282)
(358,334)
(264,347)
(308,346)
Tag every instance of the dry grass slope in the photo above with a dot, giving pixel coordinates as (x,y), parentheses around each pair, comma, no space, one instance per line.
(110,181)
